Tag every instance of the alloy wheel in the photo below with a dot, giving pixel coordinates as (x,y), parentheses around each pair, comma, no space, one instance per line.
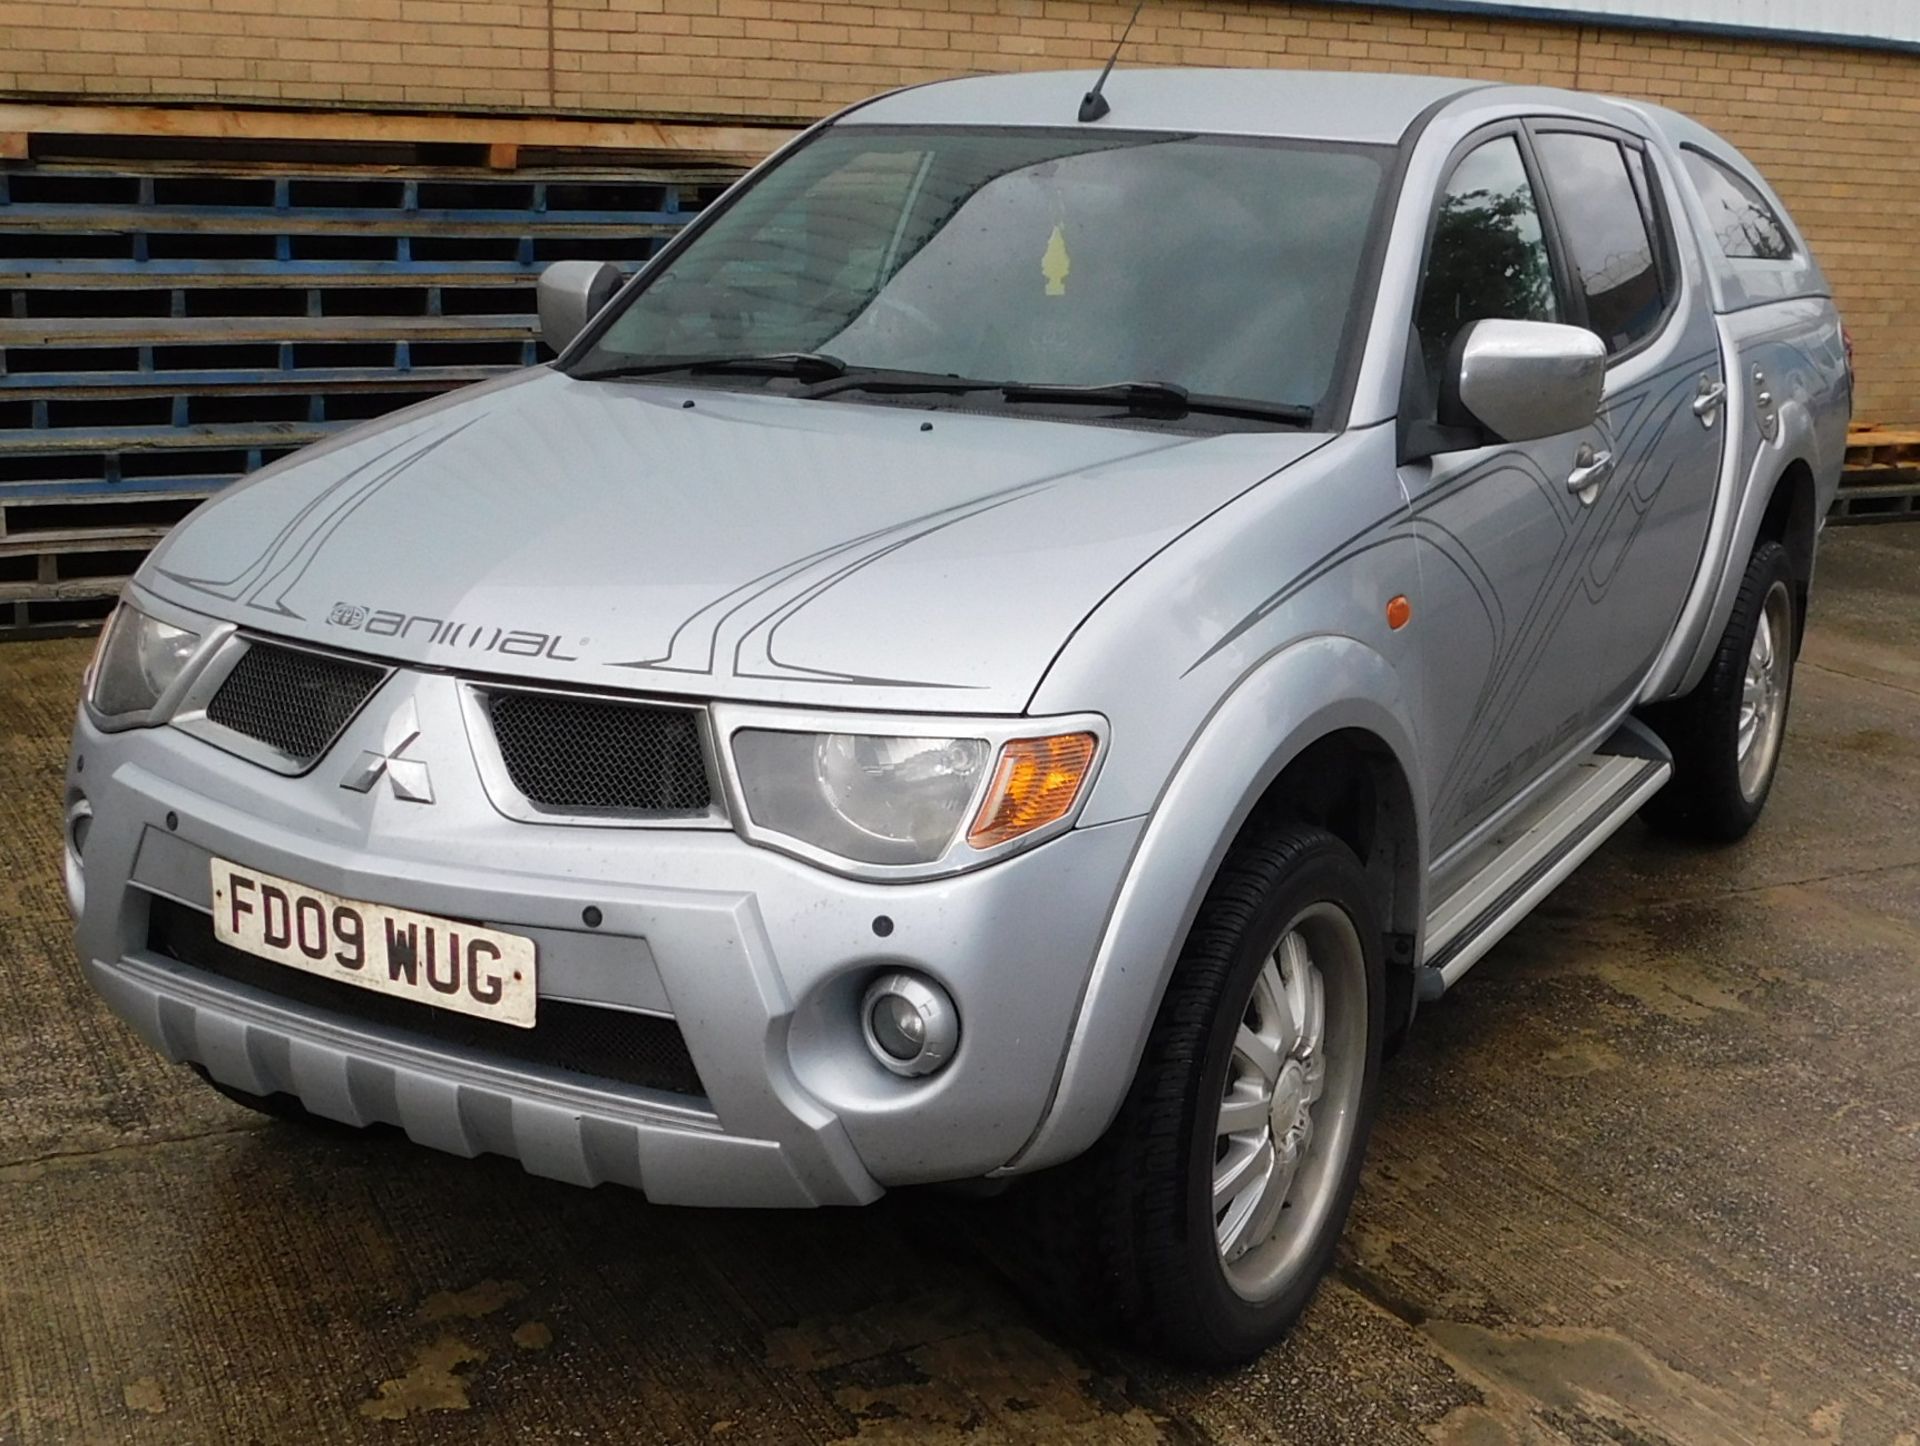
(1763,692)
(1289,1102)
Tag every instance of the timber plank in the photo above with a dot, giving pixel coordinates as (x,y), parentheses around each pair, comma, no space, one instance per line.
(83,331)
(730,139)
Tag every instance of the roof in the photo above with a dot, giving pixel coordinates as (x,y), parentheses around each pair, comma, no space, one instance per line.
(1308,104)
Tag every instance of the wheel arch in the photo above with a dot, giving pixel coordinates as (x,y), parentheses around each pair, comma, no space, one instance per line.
(1792,519)
(1319,733)
(1351,782)
(1781,491)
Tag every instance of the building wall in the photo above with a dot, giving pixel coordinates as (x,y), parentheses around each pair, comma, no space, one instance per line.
(1867,22)
(1835,130)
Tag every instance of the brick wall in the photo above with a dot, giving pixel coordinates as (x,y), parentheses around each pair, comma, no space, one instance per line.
(1835,130)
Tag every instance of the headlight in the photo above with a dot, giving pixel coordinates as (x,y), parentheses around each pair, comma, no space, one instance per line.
(873,799)
(908,801)
(140,658)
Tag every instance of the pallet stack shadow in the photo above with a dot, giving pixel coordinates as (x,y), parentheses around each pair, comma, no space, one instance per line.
(177,315)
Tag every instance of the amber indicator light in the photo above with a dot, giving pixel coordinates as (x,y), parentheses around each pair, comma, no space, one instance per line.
(1035,785)
(1399,612)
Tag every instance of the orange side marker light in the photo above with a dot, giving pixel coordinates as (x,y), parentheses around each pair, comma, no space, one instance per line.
(1399,612)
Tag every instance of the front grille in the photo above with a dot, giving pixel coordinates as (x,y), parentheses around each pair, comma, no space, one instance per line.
(290,699)
(610,1044)
(569,751)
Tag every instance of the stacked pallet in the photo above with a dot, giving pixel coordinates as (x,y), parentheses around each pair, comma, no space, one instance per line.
(181,310)
(1882,480)
(190,294)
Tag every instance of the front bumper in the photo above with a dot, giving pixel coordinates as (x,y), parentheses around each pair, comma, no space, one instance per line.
(758,958)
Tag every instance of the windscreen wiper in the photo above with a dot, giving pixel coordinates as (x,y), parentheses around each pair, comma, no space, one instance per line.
(1157,399)
(883,380)
(804,366)
(828,376)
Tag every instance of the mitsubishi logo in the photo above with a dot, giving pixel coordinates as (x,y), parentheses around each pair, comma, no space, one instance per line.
(408,776)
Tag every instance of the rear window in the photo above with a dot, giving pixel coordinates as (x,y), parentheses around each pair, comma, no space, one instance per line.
(1747,228)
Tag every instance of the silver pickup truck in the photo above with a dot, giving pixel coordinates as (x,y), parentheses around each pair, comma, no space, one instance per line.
(1025,643)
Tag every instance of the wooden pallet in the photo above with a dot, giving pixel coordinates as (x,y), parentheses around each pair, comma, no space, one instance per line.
(1873,445)
(65,555)
(187,295)
(1881,482)
(498,142)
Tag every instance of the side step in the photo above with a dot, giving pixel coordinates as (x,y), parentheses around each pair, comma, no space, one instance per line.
(1535,852)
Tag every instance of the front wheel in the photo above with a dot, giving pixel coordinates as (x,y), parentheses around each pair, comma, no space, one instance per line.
(1207,1215)
(1726,734)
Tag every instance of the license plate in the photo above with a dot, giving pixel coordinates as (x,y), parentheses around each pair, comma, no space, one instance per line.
(421,957)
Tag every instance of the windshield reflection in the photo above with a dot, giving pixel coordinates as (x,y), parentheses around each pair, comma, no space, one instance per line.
(1222,266)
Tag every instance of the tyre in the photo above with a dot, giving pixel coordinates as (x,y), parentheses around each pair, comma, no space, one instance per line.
(1203,1220)
(1726,734)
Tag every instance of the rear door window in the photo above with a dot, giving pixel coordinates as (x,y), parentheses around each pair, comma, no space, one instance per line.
(1747,228)
(1606,234)
(1650,211)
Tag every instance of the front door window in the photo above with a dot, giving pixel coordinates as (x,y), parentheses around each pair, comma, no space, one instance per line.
(1489,256)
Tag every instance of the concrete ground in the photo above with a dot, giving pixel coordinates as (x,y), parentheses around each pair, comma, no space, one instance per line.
(1652,1173)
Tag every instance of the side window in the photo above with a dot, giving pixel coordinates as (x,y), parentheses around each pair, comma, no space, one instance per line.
(1650,212)
(1605,232)
(1746,227)
(1489,254)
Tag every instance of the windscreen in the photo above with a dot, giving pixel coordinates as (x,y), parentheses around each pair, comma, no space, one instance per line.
(1225,266)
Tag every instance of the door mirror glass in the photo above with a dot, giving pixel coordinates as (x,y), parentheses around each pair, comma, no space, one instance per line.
(569,294)
(1522,380)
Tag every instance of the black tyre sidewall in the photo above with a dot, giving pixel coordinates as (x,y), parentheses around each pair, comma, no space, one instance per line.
(1705,800)
(1237,1328)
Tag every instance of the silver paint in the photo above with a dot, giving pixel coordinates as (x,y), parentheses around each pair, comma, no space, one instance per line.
(1524,380)
(1217,603)
(407,777)
(569,294)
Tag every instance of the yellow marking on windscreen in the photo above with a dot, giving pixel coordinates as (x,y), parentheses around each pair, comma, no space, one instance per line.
(1056,263)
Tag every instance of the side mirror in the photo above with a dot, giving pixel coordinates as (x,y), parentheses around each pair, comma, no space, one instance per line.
(1521,380)
(570,292)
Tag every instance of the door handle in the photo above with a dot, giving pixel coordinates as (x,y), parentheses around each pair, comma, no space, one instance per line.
(1712,394)
(1590,470)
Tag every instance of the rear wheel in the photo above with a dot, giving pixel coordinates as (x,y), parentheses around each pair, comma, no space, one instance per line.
(1726,734)
(1204,1219)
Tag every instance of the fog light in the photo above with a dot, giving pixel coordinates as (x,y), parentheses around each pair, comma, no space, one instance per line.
(910,1023)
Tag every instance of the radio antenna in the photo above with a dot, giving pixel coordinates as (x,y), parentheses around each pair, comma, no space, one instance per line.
(1093,105)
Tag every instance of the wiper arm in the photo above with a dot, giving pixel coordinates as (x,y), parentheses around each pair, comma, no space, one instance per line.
(1150,398)
(805,366)
(890,379)
(1136,396)
(828,376)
